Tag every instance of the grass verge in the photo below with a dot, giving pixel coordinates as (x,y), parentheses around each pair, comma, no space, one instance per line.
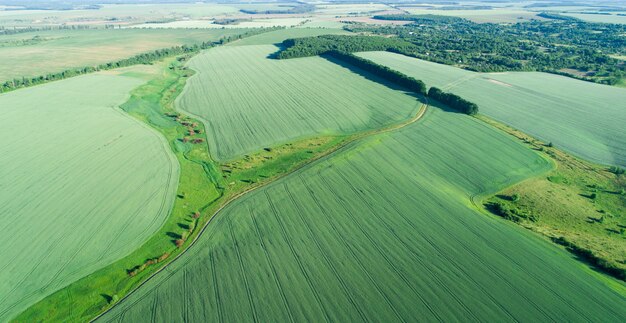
(205,187)
(579,205)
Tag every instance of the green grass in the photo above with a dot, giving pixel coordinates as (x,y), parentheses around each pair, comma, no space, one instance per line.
(249,101)
(204,187)
(81,184)
(583,118)
(59,50)
(561,204)
(383,230)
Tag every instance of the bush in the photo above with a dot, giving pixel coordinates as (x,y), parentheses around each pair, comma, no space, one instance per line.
(592,259)
(616,170)
(515,197)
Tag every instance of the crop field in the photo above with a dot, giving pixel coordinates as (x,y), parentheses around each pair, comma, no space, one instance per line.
(584,118)
(37,53)
(497,15)
(384,231)
(249,102)
(351,9)
(253,23)
(607,19)
(81,184)
(278,36)
(123,13)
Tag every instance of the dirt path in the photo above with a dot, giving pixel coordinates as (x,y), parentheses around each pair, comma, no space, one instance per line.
(420,113)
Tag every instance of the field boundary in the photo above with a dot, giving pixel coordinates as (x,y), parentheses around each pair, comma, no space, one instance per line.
(350,140)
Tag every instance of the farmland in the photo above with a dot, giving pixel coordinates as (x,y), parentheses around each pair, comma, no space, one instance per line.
(415,245)
(81,185)
(38,53)
(244,178)
(249,102)
(275,37)
(583,118)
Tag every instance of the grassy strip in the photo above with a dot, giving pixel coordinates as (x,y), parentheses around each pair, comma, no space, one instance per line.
(579,205)
(204,187)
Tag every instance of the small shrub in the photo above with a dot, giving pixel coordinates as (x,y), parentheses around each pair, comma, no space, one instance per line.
(114,299)
(616,170)
(163,257)
(550,144)
(179,242)
(196,215)
(593,196)
(515,197)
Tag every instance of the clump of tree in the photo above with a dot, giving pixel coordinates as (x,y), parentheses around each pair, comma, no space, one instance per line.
(454,101)
(381,71)
(616,170)
(561,45)
(313,46)
(420,18)
(588,255)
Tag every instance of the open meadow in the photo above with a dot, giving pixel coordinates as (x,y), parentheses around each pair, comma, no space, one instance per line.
(584,118)
(41,52)
(249,101)
(385,231)
(81,184)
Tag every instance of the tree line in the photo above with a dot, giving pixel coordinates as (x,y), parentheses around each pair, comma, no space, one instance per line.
(454,101)
(341,47)
(381,71)
(313,46)
(144,58)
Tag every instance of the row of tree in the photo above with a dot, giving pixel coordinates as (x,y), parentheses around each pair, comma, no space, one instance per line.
(381,71)
(145,58)
(341,47)
(453,101)
(313,46)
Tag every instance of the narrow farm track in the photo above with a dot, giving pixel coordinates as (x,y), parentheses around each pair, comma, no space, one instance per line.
(335,150)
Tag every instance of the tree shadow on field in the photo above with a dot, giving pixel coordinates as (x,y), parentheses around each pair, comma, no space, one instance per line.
(275,54)
(107,298)
(174,235)
(370,76)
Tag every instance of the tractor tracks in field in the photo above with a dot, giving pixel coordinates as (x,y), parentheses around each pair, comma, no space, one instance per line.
(341,146)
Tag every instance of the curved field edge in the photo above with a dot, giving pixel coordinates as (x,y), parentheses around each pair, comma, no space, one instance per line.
(84,230)
(584,118)
(201,191)
(415,244)
(248,101)
(89,295)
(577,204)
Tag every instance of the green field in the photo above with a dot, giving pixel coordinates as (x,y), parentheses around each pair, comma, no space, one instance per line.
(249,102)
(278,36)
(120,14)
(81,184)
(607,19)
(252,23)
(383,231)
(584,118)
(37,53)
(496,15)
